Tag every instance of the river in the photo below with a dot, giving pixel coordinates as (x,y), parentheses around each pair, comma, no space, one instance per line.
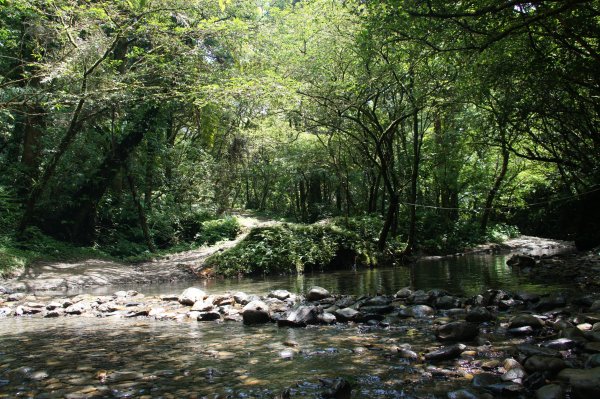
(79,357)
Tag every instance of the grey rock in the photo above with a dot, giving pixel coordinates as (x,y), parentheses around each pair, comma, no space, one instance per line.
(422,311)
(585,382)
(514,374)
(327,318)
(377,301)
(524,320)
(551,391)
(560,344)
(337,388)
(5,311)
(404,293)
(17,296)
(280,294)
(457,331)
(544,363)
(479,314)
(530,350)
(445,353)
(242,298)
(521,261)
(347,314)
(317,293)
(256,312)
(191,295)
(209,316)
(483,380)
(462,394)
(77,308)
(300,317)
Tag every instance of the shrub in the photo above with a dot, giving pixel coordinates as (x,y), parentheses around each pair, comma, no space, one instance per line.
(292,248)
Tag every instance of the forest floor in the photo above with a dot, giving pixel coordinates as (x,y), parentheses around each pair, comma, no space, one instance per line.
(56,275)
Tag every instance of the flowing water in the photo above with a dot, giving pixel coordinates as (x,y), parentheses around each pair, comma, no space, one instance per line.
(79,357)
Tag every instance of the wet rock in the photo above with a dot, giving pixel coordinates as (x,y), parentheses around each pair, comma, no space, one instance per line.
(406,353)
(525,320)
(327,318)
(142,312)
(445,353)
(282,295)
(515,374)
(535,380)
(209,316)
(300,317)
(169,297)
(527,297)
(530,350)
(347,314)
(594,306)
(551,302)
(593,361)
(479,315)
(54,313)
(484,380)
(462,394)
(457,331)
(377,301)
(544,363)
(585,382)
(447,302)
(374,309)
(77,308)
(510,364)
(592,347)
(17,296)
(109,307)
(560,344)
(5,311)
(345,302)
(317,293)
(256,312)
(522,261)
(337,388)
(421,297)
(551,391)
(202,306)
(53,305)
(403,293)
(191,295)
(421,311)
(222,300)
(525,330)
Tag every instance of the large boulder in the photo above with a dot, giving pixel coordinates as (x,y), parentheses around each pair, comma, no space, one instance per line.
(525,320)
(544,364)
(347,314)
(457,331)
(445,353)
(317,293)
(256,312)
(300,317)
(191,295)
(585,382)
(479,314)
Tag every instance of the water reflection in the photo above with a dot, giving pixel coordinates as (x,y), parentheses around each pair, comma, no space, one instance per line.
(466,275)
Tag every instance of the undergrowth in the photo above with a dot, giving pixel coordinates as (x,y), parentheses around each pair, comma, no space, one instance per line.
(293,248)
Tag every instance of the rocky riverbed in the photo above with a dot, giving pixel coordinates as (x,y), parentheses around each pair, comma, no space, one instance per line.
(495,344)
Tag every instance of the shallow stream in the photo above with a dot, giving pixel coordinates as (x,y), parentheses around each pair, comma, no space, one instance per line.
(79,357)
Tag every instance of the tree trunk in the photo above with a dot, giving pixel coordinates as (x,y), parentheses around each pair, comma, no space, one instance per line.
(141,214)
(412,229)
(388,222)
(489,202)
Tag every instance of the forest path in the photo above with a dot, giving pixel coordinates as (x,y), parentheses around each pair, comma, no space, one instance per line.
(59,276)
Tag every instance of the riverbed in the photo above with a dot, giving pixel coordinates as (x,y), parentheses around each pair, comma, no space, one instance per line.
(81,357)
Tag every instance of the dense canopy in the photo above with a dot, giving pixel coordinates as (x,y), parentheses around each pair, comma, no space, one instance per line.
(128,124)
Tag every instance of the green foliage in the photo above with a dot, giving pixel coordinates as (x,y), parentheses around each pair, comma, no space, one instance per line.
(293,248)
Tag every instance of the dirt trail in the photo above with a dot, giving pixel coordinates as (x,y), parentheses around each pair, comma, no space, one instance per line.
(54,276)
